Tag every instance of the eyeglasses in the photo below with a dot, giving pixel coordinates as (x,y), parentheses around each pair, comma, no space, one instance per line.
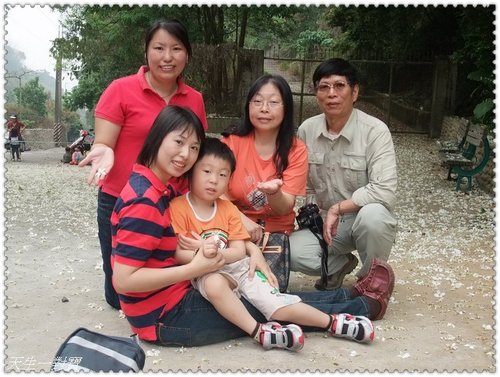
(258,103)
(324,88)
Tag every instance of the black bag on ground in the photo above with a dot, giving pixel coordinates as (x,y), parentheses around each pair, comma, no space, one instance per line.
(276,249)
(88,351)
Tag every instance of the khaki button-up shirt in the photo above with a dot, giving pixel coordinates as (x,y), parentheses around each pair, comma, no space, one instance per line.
(359,164)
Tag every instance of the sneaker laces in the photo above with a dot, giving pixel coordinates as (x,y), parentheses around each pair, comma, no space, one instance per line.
(357,328)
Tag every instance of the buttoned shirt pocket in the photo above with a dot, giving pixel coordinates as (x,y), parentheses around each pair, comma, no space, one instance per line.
(355,172)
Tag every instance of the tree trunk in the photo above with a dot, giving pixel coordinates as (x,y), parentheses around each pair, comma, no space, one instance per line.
(237,56)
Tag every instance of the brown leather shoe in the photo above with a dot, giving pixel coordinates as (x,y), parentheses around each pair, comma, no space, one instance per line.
(378,284)
(335,281)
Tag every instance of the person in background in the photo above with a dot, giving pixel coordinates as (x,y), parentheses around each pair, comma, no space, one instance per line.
(15,144)
(124,115)
(77,156)
(201,219)
(15,129)
(67,155)
(154,289)
(14,124)
(272,162)
(352,178)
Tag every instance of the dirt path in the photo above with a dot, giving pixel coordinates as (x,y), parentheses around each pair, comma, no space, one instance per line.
(441,316)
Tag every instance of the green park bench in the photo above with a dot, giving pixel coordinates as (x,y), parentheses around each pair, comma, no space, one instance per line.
(465,162)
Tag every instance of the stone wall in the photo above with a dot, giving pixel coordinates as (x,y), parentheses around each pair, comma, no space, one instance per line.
(486,179)
(42,138)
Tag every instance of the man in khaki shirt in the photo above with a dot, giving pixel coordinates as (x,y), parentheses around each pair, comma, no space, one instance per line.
(352,178)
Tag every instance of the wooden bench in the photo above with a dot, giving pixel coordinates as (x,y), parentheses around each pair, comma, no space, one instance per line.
(453,146)
(465,163)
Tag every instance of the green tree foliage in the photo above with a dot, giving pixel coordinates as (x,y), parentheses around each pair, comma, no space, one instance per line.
(395,32)
(32,96)
(309,39)
(101,43)
(477,53)
(16,73)
(464,33)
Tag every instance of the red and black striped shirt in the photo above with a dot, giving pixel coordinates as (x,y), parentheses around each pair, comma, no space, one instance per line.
(142,236)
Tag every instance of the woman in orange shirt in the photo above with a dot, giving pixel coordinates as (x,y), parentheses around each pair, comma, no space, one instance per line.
(271,168)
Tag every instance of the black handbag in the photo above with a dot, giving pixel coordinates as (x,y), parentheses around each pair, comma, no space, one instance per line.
(88,351)
(276,250)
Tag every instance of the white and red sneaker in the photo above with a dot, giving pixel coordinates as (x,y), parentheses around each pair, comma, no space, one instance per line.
(274,335)
(357,328)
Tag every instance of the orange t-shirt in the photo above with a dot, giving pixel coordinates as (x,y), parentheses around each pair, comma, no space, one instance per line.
(252,169)
(225,221)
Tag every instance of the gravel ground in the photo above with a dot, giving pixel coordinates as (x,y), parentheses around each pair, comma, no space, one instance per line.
(441,315)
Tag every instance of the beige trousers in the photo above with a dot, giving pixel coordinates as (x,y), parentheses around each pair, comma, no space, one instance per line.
(371,231)
(256,291)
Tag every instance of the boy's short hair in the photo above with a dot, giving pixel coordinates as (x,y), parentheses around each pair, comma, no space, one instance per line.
(214,147)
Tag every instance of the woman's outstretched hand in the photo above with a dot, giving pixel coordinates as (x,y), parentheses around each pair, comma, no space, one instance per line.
(102,158)
(270,187)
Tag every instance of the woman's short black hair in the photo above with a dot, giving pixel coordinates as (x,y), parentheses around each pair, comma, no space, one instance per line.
(338,67)
(171,118)
(173,27)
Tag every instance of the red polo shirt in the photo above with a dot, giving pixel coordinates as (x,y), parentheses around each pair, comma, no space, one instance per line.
(130,103)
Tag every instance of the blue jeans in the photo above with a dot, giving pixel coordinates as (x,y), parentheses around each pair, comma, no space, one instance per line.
(195,322)
(105,205)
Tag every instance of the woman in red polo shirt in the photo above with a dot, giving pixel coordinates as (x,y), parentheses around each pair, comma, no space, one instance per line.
(124,115)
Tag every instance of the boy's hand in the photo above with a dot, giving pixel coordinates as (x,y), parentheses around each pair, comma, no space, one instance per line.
(205,265)
(188,243)
(258,262)
(207,246)
(210,248)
